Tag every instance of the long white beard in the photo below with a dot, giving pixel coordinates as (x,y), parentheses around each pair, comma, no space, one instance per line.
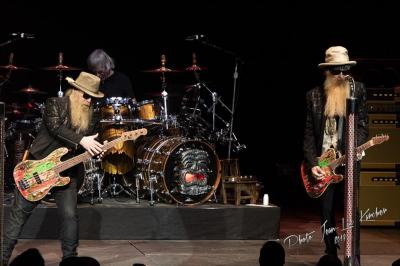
(81,114)
(337,91)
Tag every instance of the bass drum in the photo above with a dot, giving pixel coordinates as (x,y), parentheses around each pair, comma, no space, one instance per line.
(182,170)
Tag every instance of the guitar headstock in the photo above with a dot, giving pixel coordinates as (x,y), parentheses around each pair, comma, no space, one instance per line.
(134,134)
(380,139)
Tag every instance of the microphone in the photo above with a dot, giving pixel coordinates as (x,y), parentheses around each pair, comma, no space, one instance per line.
(23,35)
(195,37)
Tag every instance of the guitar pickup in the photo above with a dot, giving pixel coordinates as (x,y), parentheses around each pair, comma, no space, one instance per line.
(23,184)
(37,178)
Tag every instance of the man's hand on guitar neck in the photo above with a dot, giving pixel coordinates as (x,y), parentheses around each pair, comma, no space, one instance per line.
(91,145)
(318,173)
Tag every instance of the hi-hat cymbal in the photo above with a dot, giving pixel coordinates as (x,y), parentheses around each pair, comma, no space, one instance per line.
(14,68)
(162,70)
(61,67)
(31,90)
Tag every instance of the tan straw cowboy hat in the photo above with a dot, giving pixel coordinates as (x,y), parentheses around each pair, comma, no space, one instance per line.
(336,56)
(88,83)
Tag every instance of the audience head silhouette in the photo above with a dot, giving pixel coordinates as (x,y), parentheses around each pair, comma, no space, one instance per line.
(79,261)
(396,263)
(329,260)
(272,254)
(29,257)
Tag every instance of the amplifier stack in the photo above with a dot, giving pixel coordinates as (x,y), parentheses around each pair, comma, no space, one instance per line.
(380,168)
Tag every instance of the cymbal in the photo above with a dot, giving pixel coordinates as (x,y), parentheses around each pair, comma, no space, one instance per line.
(26,110)
(61,67)
(13,67)
(195,68)
(31,90)
(159,94)
(162,70)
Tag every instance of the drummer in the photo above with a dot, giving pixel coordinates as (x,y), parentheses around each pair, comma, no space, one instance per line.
(113,83)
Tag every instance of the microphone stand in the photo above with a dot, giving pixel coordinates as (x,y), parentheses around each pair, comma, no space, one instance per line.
(352,182)
(235,77)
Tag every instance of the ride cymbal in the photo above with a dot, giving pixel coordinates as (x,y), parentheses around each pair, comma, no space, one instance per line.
(61,67)
(162,70)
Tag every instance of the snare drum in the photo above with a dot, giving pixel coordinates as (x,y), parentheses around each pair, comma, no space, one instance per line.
(146,110)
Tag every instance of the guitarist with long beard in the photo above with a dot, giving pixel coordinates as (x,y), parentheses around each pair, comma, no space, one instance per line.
(325,129)
(67,122)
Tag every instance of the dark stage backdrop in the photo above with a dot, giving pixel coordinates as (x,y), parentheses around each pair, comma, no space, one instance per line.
(280,46)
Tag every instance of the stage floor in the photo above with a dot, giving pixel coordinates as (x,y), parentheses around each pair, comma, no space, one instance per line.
(379,245)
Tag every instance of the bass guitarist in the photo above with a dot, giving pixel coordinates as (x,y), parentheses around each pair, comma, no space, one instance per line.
(68,122)
(325,129)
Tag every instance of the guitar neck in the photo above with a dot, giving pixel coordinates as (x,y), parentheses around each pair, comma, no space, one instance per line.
(83,157)
(342,159)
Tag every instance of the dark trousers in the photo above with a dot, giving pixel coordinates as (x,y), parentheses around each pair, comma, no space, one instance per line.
(327,216)
(332,199)
(66,200)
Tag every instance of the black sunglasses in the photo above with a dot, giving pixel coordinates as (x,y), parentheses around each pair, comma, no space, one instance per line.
(86,96)
(338,71)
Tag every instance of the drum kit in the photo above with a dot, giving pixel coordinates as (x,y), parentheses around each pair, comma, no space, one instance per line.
(176,162)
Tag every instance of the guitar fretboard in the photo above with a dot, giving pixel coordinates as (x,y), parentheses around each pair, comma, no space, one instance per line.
(359,149)
(84,156)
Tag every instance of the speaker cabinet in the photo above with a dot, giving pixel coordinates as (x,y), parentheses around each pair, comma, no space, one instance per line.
(379,198)
(385,155)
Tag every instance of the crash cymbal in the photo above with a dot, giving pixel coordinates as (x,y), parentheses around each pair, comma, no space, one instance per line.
(162,70)
(31,90)
(61,67)
(14,68)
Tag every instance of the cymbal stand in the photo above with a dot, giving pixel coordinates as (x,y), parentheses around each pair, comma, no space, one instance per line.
(164,93)
(238,60)
(235,77)
(215,99)
(60,74)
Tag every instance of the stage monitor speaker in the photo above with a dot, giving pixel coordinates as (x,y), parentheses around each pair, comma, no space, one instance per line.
(385,155)
(379,198)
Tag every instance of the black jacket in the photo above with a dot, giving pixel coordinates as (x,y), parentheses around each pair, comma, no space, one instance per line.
(315,122)
(56,131)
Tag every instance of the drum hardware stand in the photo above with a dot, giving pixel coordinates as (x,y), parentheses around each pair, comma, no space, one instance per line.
(137,189)
(60,74)
(115,189)
(93,173)
(152,180)
(204,40)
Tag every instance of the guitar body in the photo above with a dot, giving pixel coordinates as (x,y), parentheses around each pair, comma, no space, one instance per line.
(328,162)
(35,178)
(315,188)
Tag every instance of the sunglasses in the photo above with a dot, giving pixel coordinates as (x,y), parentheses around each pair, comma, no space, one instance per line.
(338,71)
(86,96)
